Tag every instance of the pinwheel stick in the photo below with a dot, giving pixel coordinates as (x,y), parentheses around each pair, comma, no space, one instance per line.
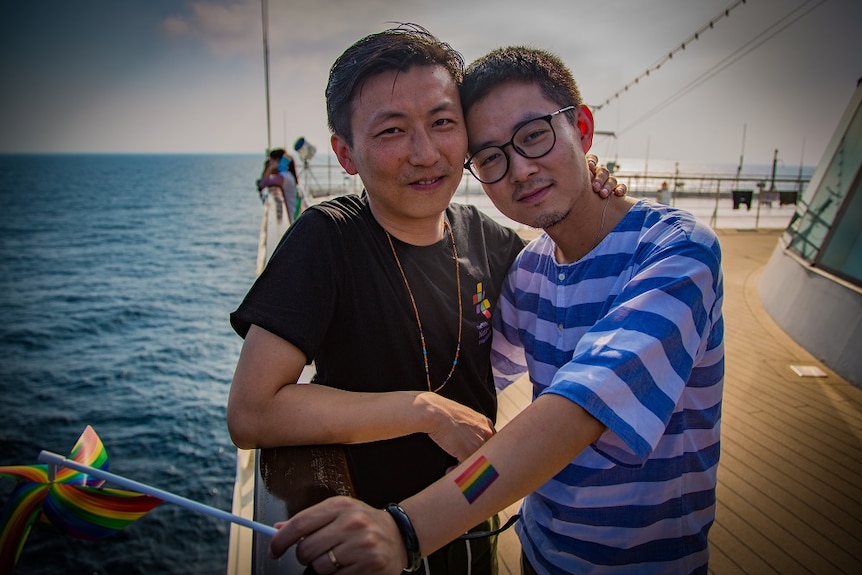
(58,460)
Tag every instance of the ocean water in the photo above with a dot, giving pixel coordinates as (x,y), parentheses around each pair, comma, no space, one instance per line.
(117,275)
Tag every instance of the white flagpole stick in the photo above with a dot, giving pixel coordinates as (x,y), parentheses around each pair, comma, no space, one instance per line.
(54,459)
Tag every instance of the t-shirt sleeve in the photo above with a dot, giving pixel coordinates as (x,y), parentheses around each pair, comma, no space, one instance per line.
(630,369)
(294,296)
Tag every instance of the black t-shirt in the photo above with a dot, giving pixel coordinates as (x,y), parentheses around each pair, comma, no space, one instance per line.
(333,289)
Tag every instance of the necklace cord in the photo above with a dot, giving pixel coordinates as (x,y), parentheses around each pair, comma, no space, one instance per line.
(416,309)
(602,225)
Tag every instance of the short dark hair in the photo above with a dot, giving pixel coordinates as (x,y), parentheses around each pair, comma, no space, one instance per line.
(520,64)
(393,49)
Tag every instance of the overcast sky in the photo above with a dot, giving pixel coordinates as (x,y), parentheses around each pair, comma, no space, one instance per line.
(187,76)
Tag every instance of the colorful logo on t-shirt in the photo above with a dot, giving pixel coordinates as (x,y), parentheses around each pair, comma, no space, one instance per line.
(483,306)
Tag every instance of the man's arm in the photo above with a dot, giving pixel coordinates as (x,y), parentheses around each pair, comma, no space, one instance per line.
(536,445)
(267,408)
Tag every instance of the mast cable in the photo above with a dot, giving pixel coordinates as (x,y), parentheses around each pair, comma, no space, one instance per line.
(744,50)
(264,13)
(696,36)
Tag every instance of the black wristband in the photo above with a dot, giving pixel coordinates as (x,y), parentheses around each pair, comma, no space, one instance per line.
(408,534)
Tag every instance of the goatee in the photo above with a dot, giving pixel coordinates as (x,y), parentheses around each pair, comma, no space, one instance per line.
(550,220)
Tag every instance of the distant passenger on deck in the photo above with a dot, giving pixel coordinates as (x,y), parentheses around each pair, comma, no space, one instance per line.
(279,170)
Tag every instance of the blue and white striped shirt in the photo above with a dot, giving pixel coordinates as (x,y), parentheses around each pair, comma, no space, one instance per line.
(633,333)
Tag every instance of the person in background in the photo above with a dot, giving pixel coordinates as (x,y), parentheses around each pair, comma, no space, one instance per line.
(279,170)
(393,303)
(616,312)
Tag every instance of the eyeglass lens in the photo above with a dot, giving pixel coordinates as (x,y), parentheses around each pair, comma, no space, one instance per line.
(532,140)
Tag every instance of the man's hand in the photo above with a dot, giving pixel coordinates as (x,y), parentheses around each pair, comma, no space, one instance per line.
(343,535)
(603,182)
(457,429)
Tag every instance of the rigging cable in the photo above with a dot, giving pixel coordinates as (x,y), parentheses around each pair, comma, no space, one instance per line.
(696,36)
(764,36)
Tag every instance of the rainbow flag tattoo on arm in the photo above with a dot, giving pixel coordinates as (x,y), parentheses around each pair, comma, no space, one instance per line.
(476,479)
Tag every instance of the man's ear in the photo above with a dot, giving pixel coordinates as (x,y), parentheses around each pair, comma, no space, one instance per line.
(585,125)
(342,152)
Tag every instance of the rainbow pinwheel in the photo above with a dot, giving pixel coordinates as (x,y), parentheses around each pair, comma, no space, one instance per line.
(71,502)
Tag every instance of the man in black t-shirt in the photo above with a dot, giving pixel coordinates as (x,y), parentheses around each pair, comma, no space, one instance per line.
(390,293)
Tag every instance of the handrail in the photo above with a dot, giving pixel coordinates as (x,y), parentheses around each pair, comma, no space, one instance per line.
(272,484)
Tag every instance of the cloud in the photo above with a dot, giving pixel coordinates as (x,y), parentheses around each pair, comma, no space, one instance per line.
(175,26)
(226,29)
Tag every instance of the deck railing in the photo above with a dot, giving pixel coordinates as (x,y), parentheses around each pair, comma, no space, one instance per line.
(746,201)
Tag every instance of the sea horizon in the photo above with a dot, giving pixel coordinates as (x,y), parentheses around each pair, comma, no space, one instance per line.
(628,165)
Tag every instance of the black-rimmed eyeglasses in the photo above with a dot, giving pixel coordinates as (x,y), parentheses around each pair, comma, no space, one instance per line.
(533,139)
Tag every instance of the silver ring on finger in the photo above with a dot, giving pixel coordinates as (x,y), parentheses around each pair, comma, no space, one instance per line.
(333,559)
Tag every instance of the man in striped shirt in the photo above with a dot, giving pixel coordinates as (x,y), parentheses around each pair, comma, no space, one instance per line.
(615,311)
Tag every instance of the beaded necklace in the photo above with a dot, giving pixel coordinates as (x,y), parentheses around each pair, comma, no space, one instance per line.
(416,309)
